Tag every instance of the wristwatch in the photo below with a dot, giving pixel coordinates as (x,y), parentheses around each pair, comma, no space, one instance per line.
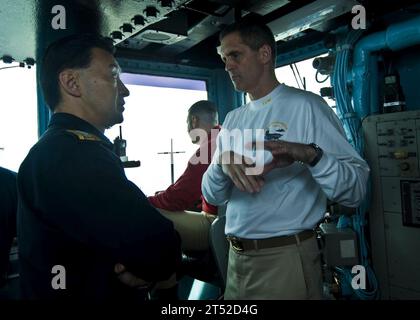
(318,156)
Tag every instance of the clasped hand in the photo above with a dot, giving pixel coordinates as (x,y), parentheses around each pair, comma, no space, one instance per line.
(130,279)
(240,168)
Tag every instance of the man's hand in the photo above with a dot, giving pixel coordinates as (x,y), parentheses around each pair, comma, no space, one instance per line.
(285,153)
(130,279)
(234,166)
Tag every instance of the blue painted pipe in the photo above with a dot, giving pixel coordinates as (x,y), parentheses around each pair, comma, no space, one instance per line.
(365,77)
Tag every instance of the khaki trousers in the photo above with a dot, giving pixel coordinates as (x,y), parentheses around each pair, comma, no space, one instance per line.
(193,227)
(287,272)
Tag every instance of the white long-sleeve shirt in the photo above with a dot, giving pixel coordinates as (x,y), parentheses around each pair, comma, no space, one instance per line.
(293,198)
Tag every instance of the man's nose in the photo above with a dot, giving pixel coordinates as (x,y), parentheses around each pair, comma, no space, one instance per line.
(124,90)
(228,65)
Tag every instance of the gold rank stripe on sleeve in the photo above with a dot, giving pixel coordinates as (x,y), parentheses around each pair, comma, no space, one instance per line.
(81,135)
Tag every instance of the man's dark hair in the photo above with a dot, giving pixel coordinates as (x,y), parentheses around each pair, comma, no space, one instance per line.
(70,52)
(254,34)
(206,111)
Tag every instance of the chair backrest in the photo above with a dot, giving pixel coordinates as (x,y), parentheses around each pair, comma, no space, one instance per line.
(219,245)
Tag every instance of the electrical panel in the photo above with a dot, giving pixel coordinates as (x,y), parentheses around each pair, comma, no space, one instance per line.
(392,151)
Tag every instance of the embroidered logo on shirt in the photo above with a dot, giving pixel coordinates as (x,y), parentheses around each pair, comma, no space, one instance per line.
(275,131)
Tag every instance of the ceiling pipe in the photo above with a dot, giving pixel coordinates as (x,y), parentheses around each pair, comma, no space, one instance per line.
(396,37)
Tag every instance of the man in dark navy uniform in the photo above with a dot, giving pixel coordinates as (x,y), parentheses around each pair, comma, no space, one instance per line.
(79,219)
(8,208)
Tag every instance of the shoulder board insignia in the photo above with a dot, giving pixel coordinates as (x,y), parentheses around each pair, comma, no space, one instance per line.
(81,135)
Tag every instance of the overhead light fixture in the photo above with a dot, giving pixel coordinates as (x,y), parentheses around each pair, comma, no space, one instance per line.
(167,31)
(166,3)
(161,37)
(309,16)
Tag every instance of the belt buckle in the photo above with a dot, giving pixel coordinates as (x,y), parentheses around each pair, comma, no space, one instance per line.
(236,243)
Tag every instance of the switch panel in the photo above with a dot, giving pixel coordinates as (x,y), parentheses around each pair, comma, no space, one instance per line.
(397,145)
(410,194)
(392,150)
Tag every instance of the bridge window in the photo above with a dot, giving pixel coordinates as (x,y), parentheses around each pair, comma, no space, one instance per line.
(303,73)
(18,114)
(156,112)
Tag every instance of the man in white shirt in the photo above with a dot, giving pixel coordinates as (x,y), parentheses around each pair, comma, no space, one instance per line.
(271,215)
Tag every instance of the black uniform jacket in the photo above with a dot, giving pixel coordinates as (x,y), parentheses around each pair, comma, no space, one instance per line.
(78,210)
(8,208)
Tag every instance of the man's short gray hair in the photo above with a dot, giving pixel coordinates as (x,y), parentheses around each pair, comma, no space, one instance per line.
(206,111)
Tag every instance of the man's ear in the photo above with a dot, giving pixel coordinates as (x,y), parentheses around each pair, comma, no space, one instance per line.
(69,81)
(194,122)
(265,53)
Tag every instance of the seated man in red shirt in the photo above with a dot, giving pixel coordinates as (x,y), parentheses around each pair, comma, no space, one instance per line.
(176,201)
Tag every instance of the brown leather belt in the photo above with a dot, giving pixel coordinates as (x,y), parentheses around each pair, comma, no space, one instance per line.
(240,244)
